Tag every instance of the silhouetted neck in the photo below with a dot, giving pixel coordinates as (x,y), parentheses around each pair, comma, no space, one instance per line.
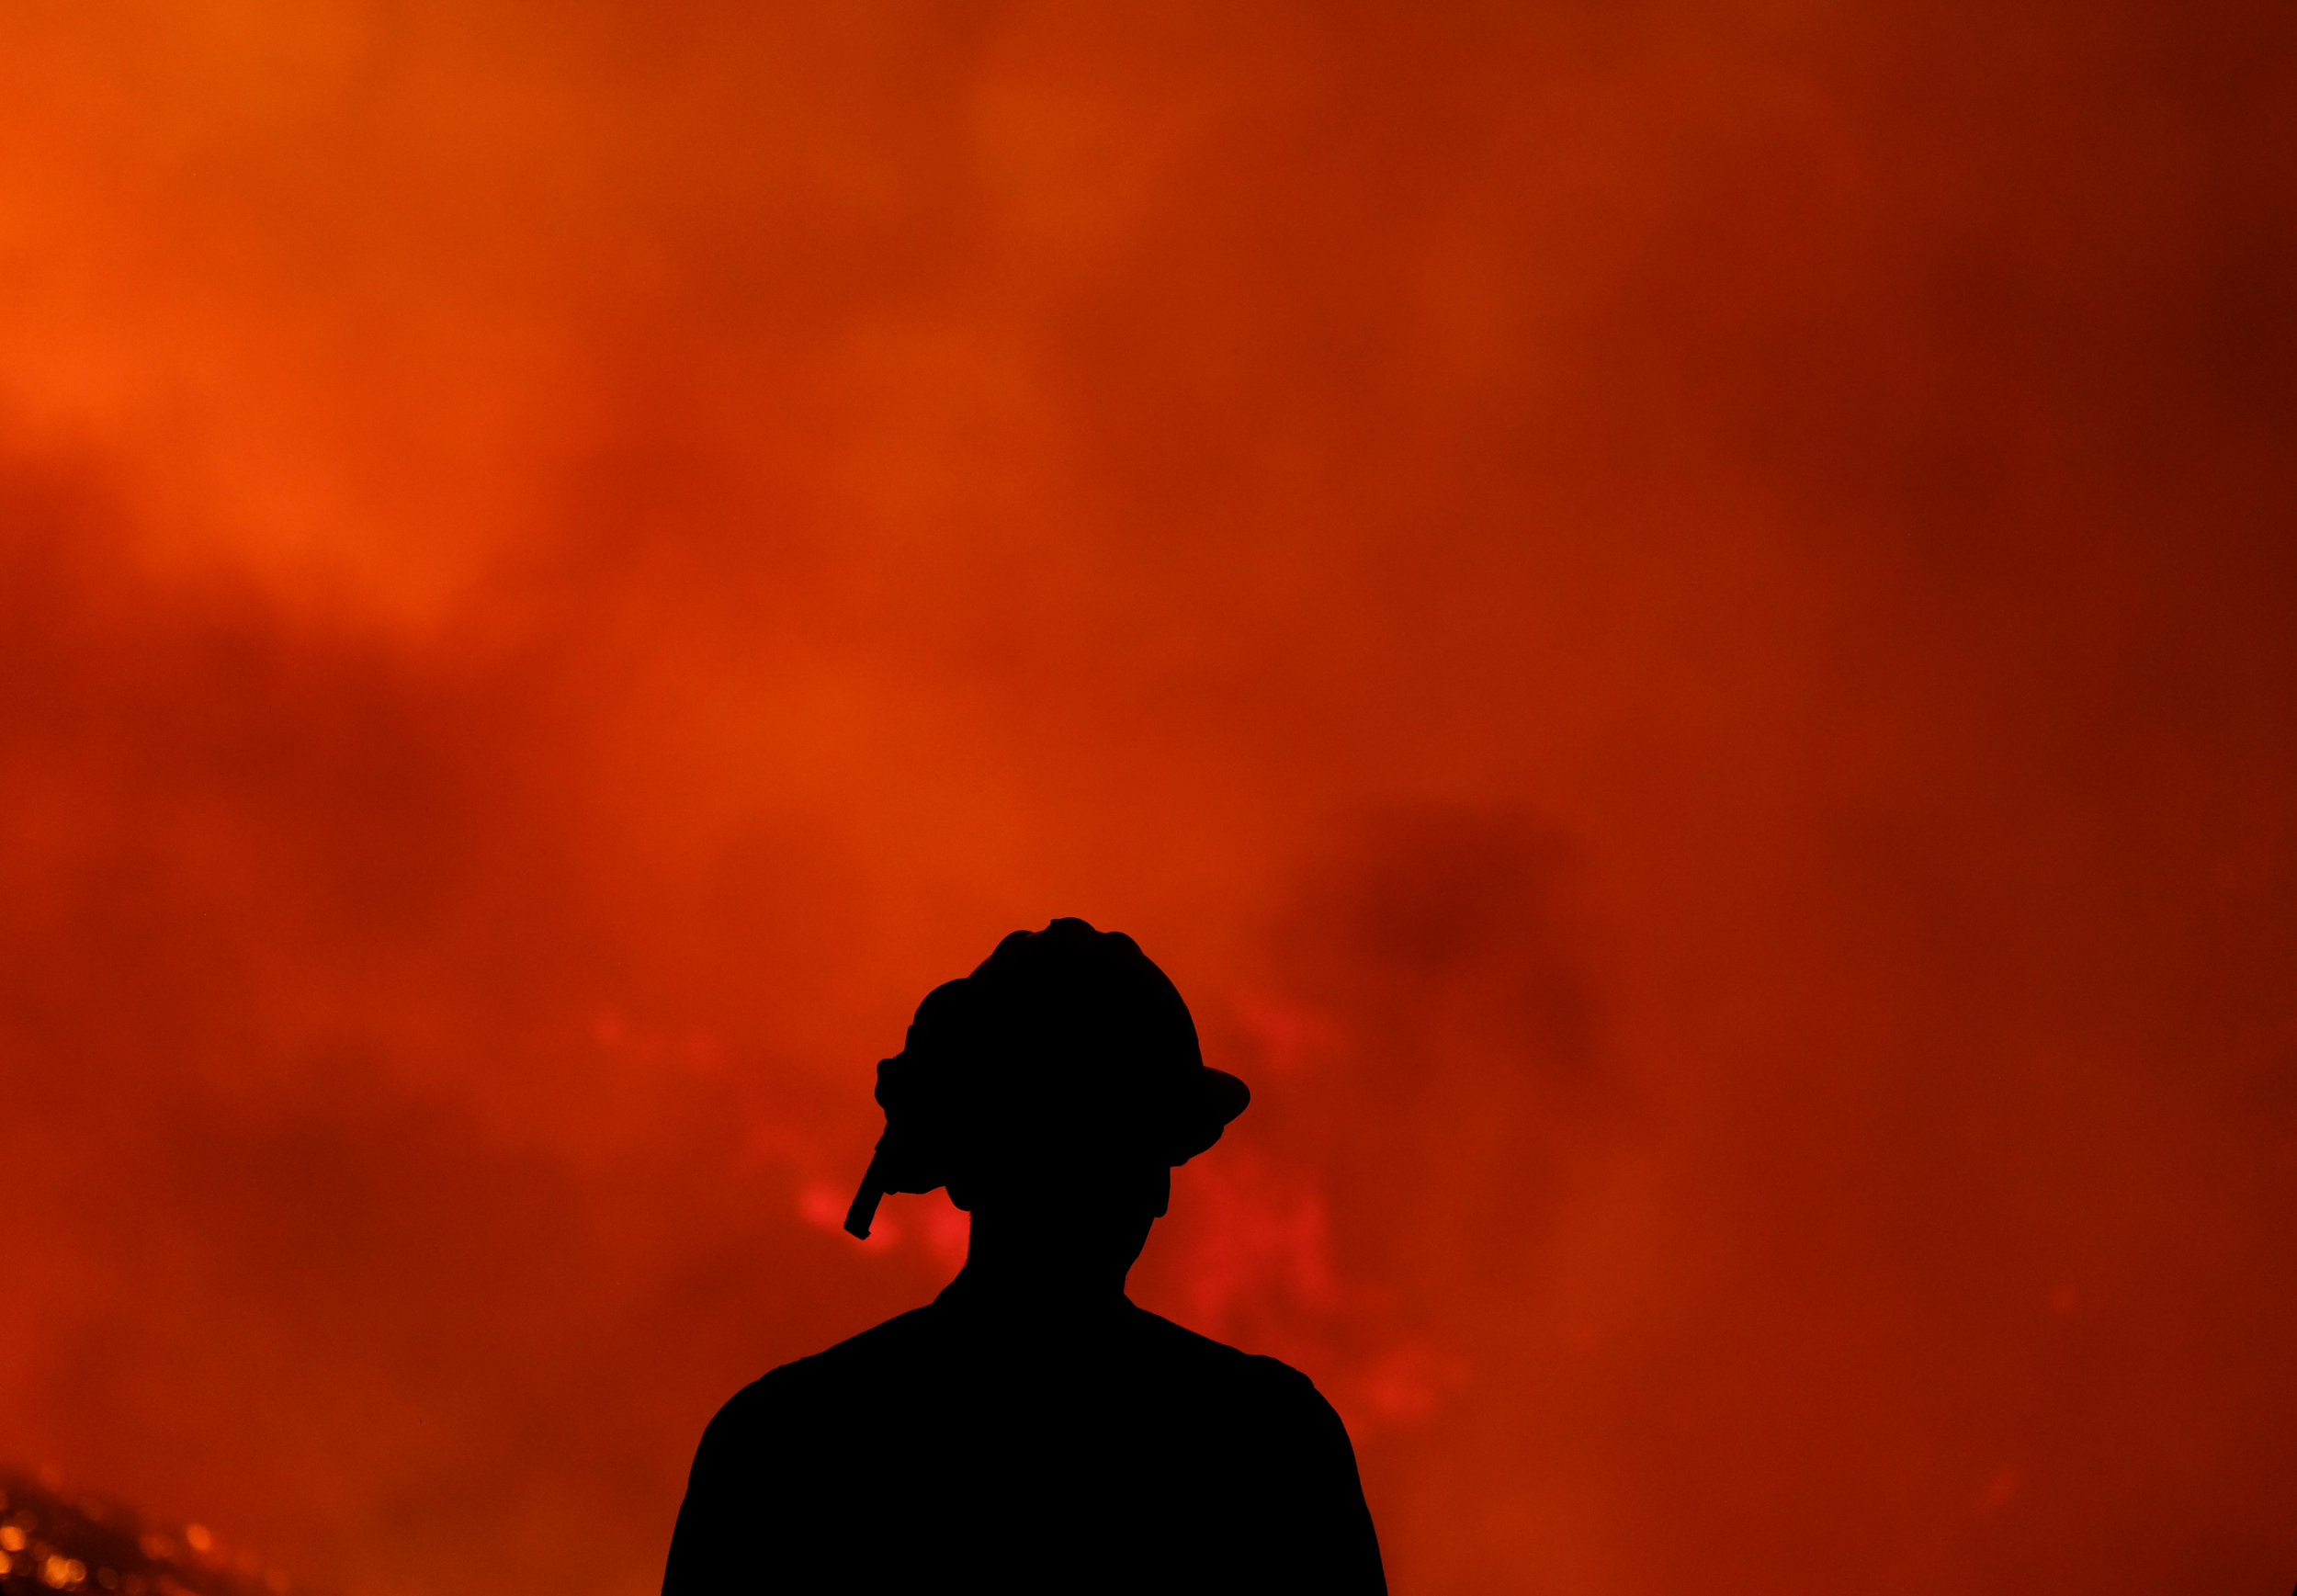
(1021,1263)
(1025,1303)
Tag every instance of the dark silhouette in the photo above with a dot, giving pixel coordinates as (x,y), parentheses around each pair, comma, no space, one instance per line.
(1030,1430)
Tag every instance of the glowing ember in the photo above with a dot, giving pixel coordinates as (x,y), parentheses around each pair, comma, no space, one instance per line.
(57,1543)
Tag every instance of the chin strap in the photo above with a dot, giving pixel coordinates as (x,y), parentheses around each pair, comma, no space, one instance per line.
(873,1187)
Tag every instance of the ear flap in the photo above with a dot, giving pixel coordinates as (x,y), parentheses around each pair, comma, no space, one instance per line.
(918,1088)
(863,1213)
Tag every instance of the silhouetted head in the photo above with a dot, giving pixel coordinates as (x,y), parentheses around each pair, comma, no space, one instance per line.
(1053,1089)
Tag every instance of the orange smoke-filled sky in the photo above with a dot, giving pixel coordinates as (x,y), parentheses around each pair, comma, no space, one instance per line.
(1678,620)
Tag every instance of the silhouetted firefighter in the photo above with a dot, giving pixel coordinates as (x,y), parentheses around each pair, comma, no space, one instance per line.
(1030,1430)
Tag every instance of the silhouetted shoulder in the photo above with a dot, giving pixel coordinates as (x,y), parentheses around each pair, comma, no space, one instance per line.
(951,1443)
(1179,1342)
(857,1360)
(794,1392)
(1251,1375)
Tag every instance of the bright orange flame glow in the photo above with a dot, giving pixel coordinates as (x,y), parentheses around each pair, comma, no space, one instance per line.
(1675,618)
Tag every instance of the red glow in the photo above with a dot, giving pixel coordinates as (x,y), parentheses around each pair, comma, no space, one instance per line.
(1675,619)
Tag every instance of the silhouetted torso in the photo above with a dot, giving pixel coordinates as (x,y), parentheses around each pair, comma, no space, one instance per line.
(974,1444)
